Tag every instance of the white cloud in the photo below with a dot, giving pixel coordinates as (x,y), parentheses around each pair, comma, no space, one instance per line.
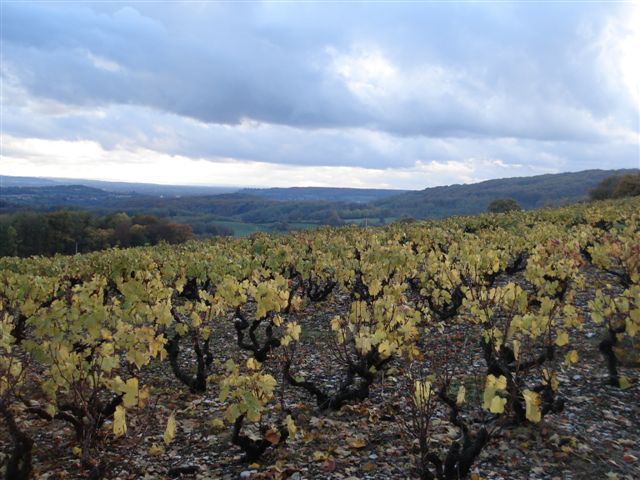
(618,46)
(366,72)
(87,159)
(103,63)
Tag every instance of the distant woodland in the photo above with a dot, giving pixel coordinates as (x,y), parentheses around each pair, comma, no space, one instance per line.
(67,232)
(49,219)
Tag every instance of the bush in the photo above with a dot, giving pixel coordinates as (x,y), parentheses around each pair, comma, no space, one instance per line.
(617,186)
(503,205)
(627,186)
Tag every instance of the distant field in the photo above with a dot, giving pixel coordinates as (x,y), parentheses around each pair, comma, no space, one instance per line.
(369,221)
(242,229)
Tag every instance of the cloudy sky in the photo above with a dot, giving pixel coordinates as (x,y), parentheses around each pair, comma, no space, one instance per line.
(391,95)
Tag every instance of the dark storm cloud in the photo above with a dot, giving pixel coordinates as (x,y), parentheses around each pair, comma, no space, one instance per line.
(77,56)
(374,85)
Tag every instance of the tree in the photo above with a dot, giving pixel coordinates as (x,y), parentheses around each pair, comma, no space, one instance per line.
(280,227)
(503,205)
(627,186)
(604,189)
(138,235)
(334,219)
(66,230)
(8,239)
(32,233)
(169,232)
(617,186)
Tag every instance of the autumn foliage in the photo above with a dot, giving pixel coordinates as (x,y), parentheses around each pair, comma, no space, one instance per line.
(81,336)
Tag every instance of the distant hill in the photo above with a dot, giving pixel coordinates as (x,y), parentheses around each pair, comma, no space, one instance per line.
(117,187)
(194,209)
(530,192)
(292,207)
(322,194)
(9,181)
(46,197)
(293,194)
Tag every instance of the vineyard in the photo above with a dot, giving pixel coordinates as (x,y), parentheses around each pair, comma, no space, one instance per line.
(494,346)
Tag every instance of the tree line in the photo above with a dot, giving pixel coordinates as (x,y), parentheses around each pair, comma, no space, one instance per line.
(70,231)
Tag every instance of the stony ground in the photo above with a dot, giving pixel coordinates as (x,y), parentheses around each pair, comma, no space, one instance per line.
(596,436)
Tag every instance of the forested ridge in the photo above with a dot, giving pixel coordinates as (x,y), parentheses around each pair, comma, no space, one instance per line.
(283,208)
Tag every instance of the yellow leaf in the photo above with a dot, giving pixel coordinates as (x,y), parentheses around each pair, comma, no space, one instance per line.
(550,378)
(422,392)
(597,317)
(106,334)
(253,364)
(516,349)
(497,404)
(156,347)
(492,386)
(363,343)
(291,426)
(356,442)
(296,304)
(196,321)
(156,450)
(143,396)
(385,349)
(51,409)
(319,456)
(119,421)
(461,395)
(571,357)
(562,339)
(501,382)
(130,390)
(217,424)
(139,358)
(170,431)
(624,382)
(335,323)
(77,451)
(294,330)
(532,401)
(206,333)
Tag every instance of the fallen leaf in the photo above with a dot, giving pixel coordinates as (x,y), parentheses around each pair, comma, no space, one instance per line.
(272,437)
(368,467)
(319,456)
(156,450)
(328,465)
(356,442)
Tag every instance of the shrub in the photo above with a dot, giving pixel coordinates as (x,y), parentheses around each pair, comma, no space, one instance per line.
(617,186)
(503,205)
(627,186)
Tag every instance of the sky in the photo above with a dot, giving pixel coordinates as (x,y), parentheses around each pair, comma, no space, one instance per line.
(275,94)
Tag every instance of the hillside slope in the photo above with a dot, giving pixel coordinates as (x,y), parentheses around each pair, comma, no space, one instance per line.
(323,194)
(529,192)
